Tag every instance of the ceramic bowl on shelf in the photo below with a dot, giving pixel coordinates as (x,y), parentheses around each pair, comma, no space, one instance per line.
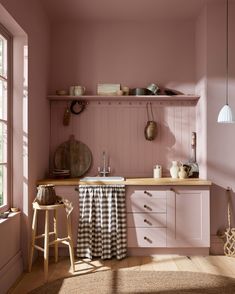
(61,92)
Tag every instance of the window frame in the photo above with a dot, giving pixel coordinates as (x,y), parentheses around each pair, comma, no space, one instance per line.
(8,36)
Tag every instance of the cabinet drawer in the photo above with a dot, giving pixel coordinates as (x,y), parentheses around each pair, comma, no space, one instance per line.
(149,193)
(143,204)
(146,237)
(146,220)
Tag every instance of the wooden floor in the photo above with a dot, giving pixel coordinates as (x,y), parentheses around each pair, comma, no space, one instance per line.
(219,265)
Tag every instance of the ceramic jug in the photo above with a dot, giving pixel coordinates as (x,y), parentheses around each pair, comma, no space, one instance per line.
(182,172)
(174,170)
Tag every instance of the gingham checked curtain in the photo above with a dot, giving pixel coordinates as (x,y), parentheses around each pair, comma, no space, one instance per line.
(102,222)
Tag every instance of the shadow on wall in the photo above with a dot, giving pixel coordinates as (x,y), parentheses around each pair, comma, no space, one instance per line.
(221,172)
(219,208)
(165,155)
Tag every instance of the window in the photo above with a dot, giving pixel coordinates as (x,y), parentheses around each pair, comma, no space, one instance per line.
(5,117)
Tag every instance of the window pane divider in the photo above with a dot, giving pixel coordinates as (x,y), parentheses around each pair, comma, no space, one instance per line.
(3,78)
(3,121)
(3,163)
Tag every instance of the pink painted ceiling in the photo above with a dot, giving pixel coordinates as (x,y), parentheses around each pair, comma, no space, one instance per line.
(124,10)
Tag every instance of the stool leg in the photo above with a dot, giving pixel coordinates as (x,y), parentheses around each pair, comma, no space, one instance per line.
(70,239)
(46,245)
(34,228)
(56,235)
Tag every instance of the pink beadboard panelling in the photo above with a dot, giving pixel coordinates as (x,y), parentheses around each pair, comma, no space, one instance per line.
(118,129)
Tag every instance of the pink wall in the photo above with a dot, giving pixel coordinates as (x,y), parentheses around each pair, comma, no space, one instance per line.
(220,139)
(130,53)
(118,129)
(133,54)
(201,90)
(211,73)
(29,15)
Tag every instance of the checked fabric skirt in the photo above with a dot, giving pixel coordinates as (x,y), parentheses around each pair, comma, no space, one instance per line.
(102,222)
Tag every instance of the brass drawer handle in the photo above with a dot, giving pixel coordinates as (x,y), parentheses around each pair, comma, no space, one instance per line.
(148,240)
(148,222)
(147,207)
(148,193)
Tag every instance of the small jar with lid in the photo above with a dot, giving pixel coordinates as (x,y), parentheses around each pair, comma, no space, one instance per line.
(157,171)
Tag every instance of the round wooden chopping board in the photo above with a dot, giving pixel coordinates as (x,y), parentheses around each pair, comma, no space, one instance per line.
(73,155)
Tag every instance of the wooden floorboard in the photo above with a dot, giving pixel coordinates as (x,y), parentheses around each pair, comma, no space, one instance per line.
(219,265)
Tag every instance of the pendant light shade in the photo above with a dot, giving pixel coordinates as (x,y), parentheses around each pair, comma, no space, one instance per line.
(225,114)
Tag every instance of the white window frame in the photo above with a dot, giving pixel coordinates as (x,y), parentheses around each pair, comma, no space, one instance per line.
(7,35)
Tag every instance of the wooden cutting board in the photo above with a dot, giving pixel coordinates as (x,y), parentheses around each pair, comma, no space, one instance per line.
(73,155)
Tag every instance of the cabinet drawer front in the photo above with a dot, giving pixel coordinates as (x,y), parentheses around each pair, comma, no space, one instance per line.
(143,237)
(146,220)
(143,204)
(149,193)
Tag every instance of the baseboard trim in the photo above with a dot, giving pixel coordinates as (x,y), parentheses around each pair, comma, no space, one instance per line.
(11,272)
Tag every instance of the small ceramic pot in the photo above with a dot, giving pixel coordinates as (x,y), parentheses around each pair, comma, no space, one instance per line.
(174,170)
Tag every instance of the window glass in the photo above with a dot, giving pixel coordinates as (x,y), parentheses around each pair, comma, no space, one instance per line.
(5,179)
(3,185)
(3,56)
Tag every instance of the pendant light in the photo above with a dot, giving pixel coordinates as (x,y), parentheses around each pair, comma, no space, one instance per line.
(225,114)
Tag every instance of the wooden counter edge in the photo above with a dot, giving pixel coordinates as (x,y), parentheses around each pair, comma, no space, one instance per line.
(130,182)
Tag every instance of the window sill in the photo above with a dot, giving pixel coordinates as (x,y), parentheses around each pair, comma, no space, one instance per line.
(10,216)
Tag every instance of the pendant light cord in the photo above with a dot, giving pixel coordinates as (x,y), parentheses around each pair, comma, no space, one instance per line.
(227,55)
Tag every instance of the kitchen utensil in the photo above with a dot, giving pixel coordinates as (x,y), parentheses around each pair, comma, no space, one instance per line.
(66,117)
(140,91)
(81,104)
(192,163)
(153,88)
(150,130)
(79,90)
(73,155)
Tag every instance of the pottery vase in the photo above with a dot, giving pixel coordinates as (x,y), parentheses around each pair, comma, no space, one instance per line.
(182,173)
(174,170)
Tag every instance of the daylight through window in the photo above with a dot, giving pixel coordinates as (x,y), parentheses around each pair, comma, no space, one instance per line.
(5,74)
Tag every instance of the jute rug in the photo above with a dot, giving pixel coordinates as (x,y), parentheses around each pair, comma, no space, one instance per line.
(111,282)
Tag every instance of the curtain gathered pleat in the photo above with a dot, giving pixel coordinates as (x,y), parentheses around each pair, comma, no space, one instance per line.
(102,222)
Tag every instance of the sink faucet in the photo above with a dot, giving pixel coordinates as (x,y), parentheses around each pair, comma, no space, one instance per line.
(104,171)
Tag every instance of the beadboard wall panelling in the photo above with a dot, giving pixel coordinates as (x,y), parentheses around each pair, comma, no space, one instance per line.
(118,129)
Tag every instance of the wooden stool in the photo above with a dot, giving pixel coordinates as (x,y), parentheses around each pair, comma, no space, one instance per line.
(67,240)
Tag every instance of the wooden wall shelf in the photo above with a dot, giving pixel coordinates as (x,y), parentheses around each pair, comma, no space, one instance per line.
(125,98)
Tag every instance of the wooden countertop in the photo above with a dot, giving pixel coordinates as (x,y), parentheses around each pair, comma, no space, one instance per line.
(129,182)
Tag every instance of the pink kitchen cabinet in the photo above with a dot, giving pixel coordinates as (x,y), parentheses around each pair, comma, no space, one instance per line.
(188,218)
(177,217)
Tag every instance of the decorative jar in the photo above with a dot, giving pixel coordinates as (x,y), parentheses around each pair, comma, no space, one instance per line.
(174,170)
